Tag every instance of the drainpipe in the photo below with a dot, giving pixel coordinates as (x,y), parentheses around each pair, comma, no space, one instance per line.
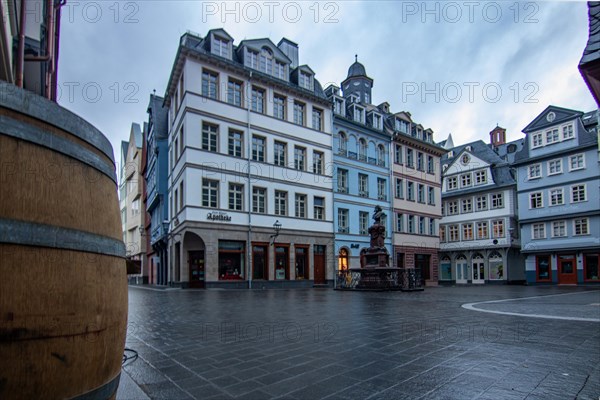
(249,179)
(21,45)
(332,250)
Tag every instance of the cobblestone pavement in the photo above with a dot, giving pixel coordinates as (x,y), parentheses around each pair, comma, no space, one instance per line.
(320,343)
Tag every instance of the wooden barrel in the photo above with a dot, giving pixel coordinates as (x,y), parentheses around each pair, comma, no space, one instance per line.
(63,285)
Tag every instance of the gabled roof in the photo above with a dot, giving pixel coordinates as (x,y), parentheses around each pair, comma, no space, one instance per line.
(478,149)
(305,67)
(561,115)
(257,44)
(220,32)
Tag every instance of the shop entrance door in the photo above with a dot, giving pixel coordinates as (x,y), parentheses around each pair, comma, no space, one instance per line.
(462,270)
(478,270)
(319,263)
(567,272)
(196,261)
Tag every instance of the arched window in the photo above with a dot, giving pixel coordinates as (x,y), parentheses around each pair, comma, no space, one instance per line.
(343,260)
(343,143)
(496,266)
(266,60)
(381,155)
(362,149)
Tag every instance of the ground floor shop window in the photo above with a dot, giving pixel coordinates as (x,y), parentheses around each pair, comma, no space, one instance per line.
(496,266)
(422,263)
(260,262)
(231,260)
(543,269)
(302,262)
(400,260)
(343,260)
(591,267)
(446,269)
(282,261)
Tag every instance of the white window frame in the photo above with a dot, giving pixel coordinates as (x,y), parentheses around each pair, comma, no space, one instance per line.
(541,233)
(553,134)
(551,197)
(533,140)
(555,225)
(584,222)
(582,155)
(466,180)
(534,167)
(480,177)
(584,193)
(454,180)
(539,197)
(558,170)
(570,132)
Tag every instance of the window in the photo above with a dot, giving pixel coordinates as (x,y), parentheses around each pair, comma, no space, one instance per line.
(421,193)
(480,177)
(590,266)
(432,227)
(363,222)
(381,155)
(411,224)
(181,141)
(231,259)
(430,196)
(556,197)
(342,143)
(258,148)
(466,206)
(300,205)
(280,150)
(135,207)
(543,268)
(453,233)
(252,59)
(421,225)
(280,203)
(318,159)
(467,231)
(465,180)
(304,80)
(362,150)
(235,143)
(420,162)
(535,200)
(298,113)
(534,171)
(219,46)
(410,188)
(536,140)
(481,203)
(258,100)
(538,231)
(578,193)
(442,234)
(453,207)
(210,193)
(363,185)
(259,200)
(299,158)
(236,196)
(498,228)
(317,119)
(399,188)
(181,197)
(338,106)
(343,260)
(279,106)
(376,121)
(409,158)
(342,180)
(234,92)
(497,200)
(430,166)
(452,183)
(559,229)
(399,222)
(581,226)
(359,114)
(209,136)
(210,82)
(576,162)
(568,132)
(342,220)
(265,61)
(319,208)
(555,166)
(482,230)
(552,136)
(398,154)
(381,189)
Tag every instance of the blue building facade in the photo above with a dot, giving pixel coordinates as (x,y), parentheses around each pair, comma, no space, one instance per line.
(156,189)
(558,197)
(361,166)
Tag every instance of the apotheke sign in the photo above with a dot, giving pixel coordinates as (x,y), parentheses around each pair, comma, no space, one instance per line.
(218,216)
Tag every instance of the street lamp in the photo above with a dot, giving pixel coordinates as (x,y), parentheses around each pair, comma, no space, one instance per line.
(277,228)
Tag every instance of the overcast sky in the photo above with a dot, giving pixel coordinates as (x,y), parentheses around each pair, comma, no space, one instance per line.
(457,67)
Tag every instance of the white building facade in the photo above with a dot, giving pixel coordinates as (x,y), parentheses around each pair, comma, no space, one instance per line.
(250,177)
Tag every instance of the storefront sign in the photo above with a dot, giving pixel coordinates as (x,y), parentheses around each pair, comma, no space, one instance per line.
(354,246)
(218,216)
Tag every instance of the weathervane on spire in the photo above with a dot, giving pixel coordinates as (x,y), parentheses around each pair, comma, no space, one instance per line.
(356,58)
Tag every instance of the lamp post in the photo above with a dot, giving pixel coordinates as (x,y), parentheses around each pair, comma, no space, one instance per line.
(277,228)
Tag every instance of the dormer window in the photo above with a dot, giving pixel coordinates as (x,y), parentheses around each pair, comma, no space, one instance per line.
(266,61)
(305,80)
(219,46)
(279,70)
(376,121)
(367,98)
(401,125)
(252,59)
(338,106)
(359,114)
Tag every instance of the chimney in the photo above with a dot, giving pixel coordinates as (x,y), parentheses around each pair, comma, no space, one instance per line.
(290,49)
(497,136)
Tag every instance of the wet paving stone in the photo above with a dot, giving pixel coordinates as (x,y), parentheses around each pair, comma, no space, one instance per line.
(323,344)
